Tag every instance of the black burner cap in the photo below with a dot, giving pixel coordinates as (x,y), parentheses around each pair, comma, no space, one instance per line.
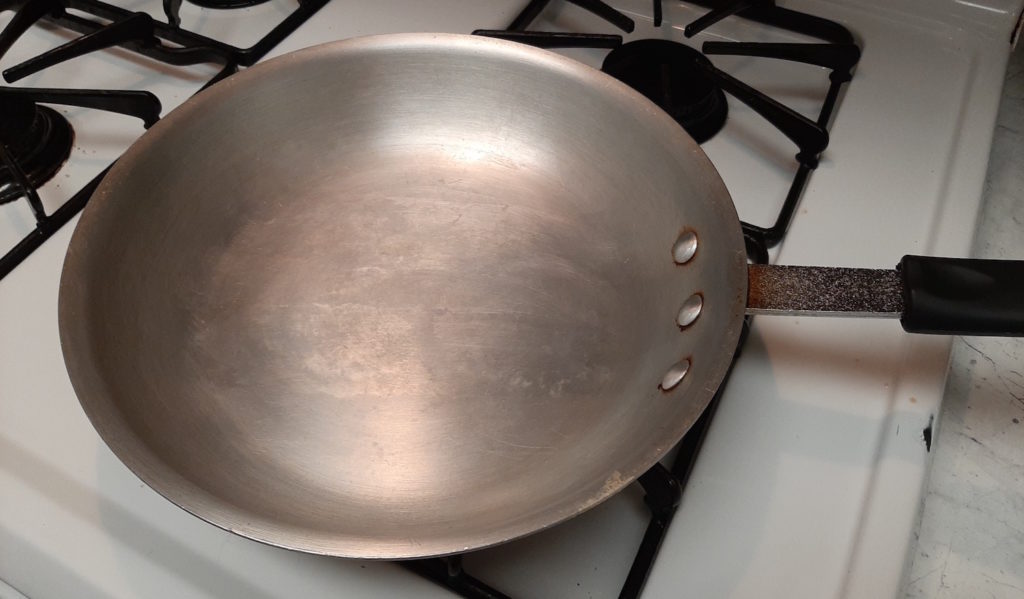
(226,4)
(39,139)
(664,71)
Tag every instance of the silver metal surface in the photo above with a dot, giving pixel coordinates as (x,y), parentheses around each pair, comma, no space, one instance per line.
(690,311)
(400,296)
(675,375)
(824,291)
(685,247)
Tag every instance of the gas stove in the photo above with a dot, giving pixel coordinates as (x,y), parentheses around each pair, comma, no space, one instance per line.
(805,476)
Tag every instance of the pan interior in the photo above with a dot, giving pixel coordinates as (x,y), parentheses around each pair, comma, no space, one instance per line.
(400,296)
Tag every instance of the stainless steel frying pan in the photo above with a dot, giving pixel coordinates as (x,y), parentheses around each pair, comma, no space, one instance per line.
(412,295)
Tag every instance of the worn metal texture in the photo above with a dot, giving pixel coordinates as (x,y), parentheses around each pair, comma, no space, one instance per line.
(401,296)
(824,291)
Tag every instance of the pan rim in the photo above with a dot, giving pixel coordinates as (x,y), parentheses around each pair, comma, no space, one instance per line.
(151,468)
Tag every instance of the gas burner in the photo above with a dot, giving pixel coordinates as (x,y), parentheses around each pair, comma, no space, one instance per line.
(39,139)
(226,4)
(665,72)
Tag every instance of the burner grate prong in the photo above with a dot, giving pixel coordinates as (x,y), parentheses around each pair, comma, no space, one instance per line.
(532,10)
(25,16)
(136,31)
(448,572)
(22,183)
(810,137)
(140,104)
(133,28)
(717,14)
(840,58)
(172,10)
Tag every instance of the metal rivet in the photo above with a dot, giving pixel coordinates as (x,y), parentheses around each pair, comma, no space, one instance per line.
(685,247)
(674,375)
(690,310)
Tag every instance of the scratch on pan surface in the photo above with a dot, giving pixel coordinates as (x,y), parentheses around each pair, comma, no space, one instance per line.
(613,482)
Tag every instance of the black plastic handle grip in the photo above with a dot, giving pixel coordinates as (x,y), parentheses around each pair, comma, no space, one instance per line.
(960,296)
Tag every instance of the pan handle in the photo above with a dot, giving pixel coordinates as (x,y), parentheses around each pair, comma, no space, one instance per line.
(944,296)
(961,296)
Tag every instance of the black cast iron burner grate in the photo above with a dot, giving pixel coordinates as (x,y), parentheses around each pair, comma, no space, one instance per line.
(105,26)
(108,25)
(836,52)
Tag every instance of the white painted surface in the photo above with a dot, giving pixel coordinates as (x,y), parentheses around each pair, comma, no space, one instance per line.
(811,479)
(971,538)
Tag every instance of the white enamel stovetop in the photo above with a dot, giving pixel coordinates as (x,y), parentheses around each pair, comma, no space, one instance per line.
(810,481)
